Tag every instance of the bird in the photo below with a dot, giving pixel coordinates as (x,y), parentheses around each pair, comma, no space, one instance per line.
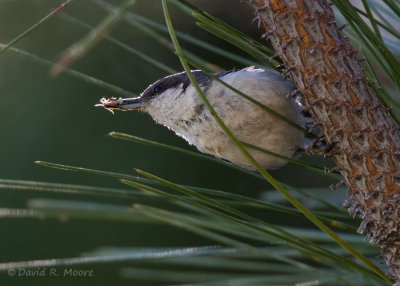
(174,102)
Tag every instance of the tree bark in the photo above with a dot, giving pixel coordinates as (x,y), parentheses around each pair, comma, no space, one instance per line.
(325,68)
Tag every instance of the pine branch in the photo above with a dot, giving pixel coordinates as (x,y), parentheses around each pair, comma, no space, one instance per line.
(364,137)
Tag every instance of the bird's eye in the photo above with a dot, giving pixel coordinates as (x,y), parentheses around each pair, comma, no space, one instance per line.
(157,89)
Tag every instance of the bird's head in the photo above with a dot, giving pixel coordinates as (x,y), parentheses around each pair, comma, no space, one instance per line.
(167,89)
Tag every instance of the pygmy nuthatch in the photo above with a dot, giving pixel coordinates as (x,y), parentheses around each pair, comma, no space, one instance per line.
(173,101)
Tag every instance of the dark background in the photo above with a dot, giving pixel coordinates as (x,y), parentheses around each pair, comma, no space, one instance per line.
(54,119)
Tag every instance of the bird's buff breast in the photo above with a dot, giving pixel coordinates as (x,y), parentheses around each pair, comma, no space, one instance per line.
(255,129)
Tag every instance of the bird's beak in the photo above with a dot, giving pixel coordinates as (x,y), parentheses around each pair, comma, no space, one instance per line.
(122,103)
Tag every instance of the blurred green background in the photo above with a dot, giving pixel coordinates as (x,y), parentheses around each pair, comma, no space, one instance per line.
(54,119)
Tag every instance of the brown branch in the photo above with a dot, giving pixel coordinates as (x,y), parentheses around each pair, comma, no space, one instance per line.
(325,68)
